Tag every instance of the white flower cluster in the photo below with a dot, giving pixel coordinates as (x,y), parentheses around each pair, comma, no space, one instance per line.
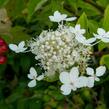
(59,50)
(65,49)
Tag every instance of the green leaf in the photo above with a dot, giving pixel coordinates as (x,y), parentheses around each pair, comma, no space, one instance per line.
(73,4)
(83,21)
(3,2)
(89,106)
(88,8)
(34,5)
(13,97)
(33,104)
(3,104)
(102,45)
(102,3)
(17,35)
(106,19)
(55,5)
(2,69)
(105,60)
(15,7)
(27,60)
(21,104)
(92,27)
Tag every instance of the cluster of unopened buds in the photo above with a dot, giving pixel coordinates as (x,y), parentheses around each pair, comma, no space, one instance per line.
(3,50)
(66,52)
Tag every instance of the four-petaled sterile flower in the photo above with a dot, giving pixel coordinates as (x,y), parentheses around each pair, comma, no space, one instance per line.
(85,41)
(33,76)
(58,17)
(94,76)
(102,34)
(79,35)
(19,48)
(77,30)
(69,81)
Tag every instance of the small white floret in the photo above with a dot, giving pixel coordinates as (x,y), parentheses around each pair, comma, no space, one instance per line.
(33,76)
(102,34)
(99,72)
(18,48)
(58,17)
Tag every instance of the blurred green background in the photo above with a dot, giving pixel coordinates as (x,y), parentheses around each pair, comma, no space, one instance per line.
(25,19)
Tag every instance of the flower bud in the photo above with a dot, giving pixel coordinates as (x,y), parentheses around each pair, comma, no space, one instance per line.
(3,59)
(3,46)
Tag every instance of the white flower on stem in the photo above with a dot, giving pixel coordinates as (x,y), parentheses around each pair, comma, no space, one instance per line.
(69,81)
(85,41)
(33,76)
(58,17)
(77,30)
(102,34)
(18,48)
(79,35)
(94,76)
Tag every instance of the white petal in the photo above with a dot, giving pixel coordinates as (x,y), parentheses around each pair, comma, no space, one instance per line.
(80,38)
(33,72)
(91,40)
(97,79)
(74,88)
(97,36)
(58,17)
(52,19)
(22,49)
(32,83)
(90,71)
(101,31)
(71,19)
(57,14)
(77,26)
(104,39)
(72,29)
(13,47)
(30,76)
(74,73)
(83,31)
(66,89)
(100,70)
(21,44)
(82,82)
(63,16)
(90,82)
(40,77)
(107,34)
(65,77)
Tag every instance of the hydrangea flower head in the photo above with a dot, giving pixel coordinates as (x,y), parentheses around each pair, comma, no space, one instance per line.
(59,50)
(64,51)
